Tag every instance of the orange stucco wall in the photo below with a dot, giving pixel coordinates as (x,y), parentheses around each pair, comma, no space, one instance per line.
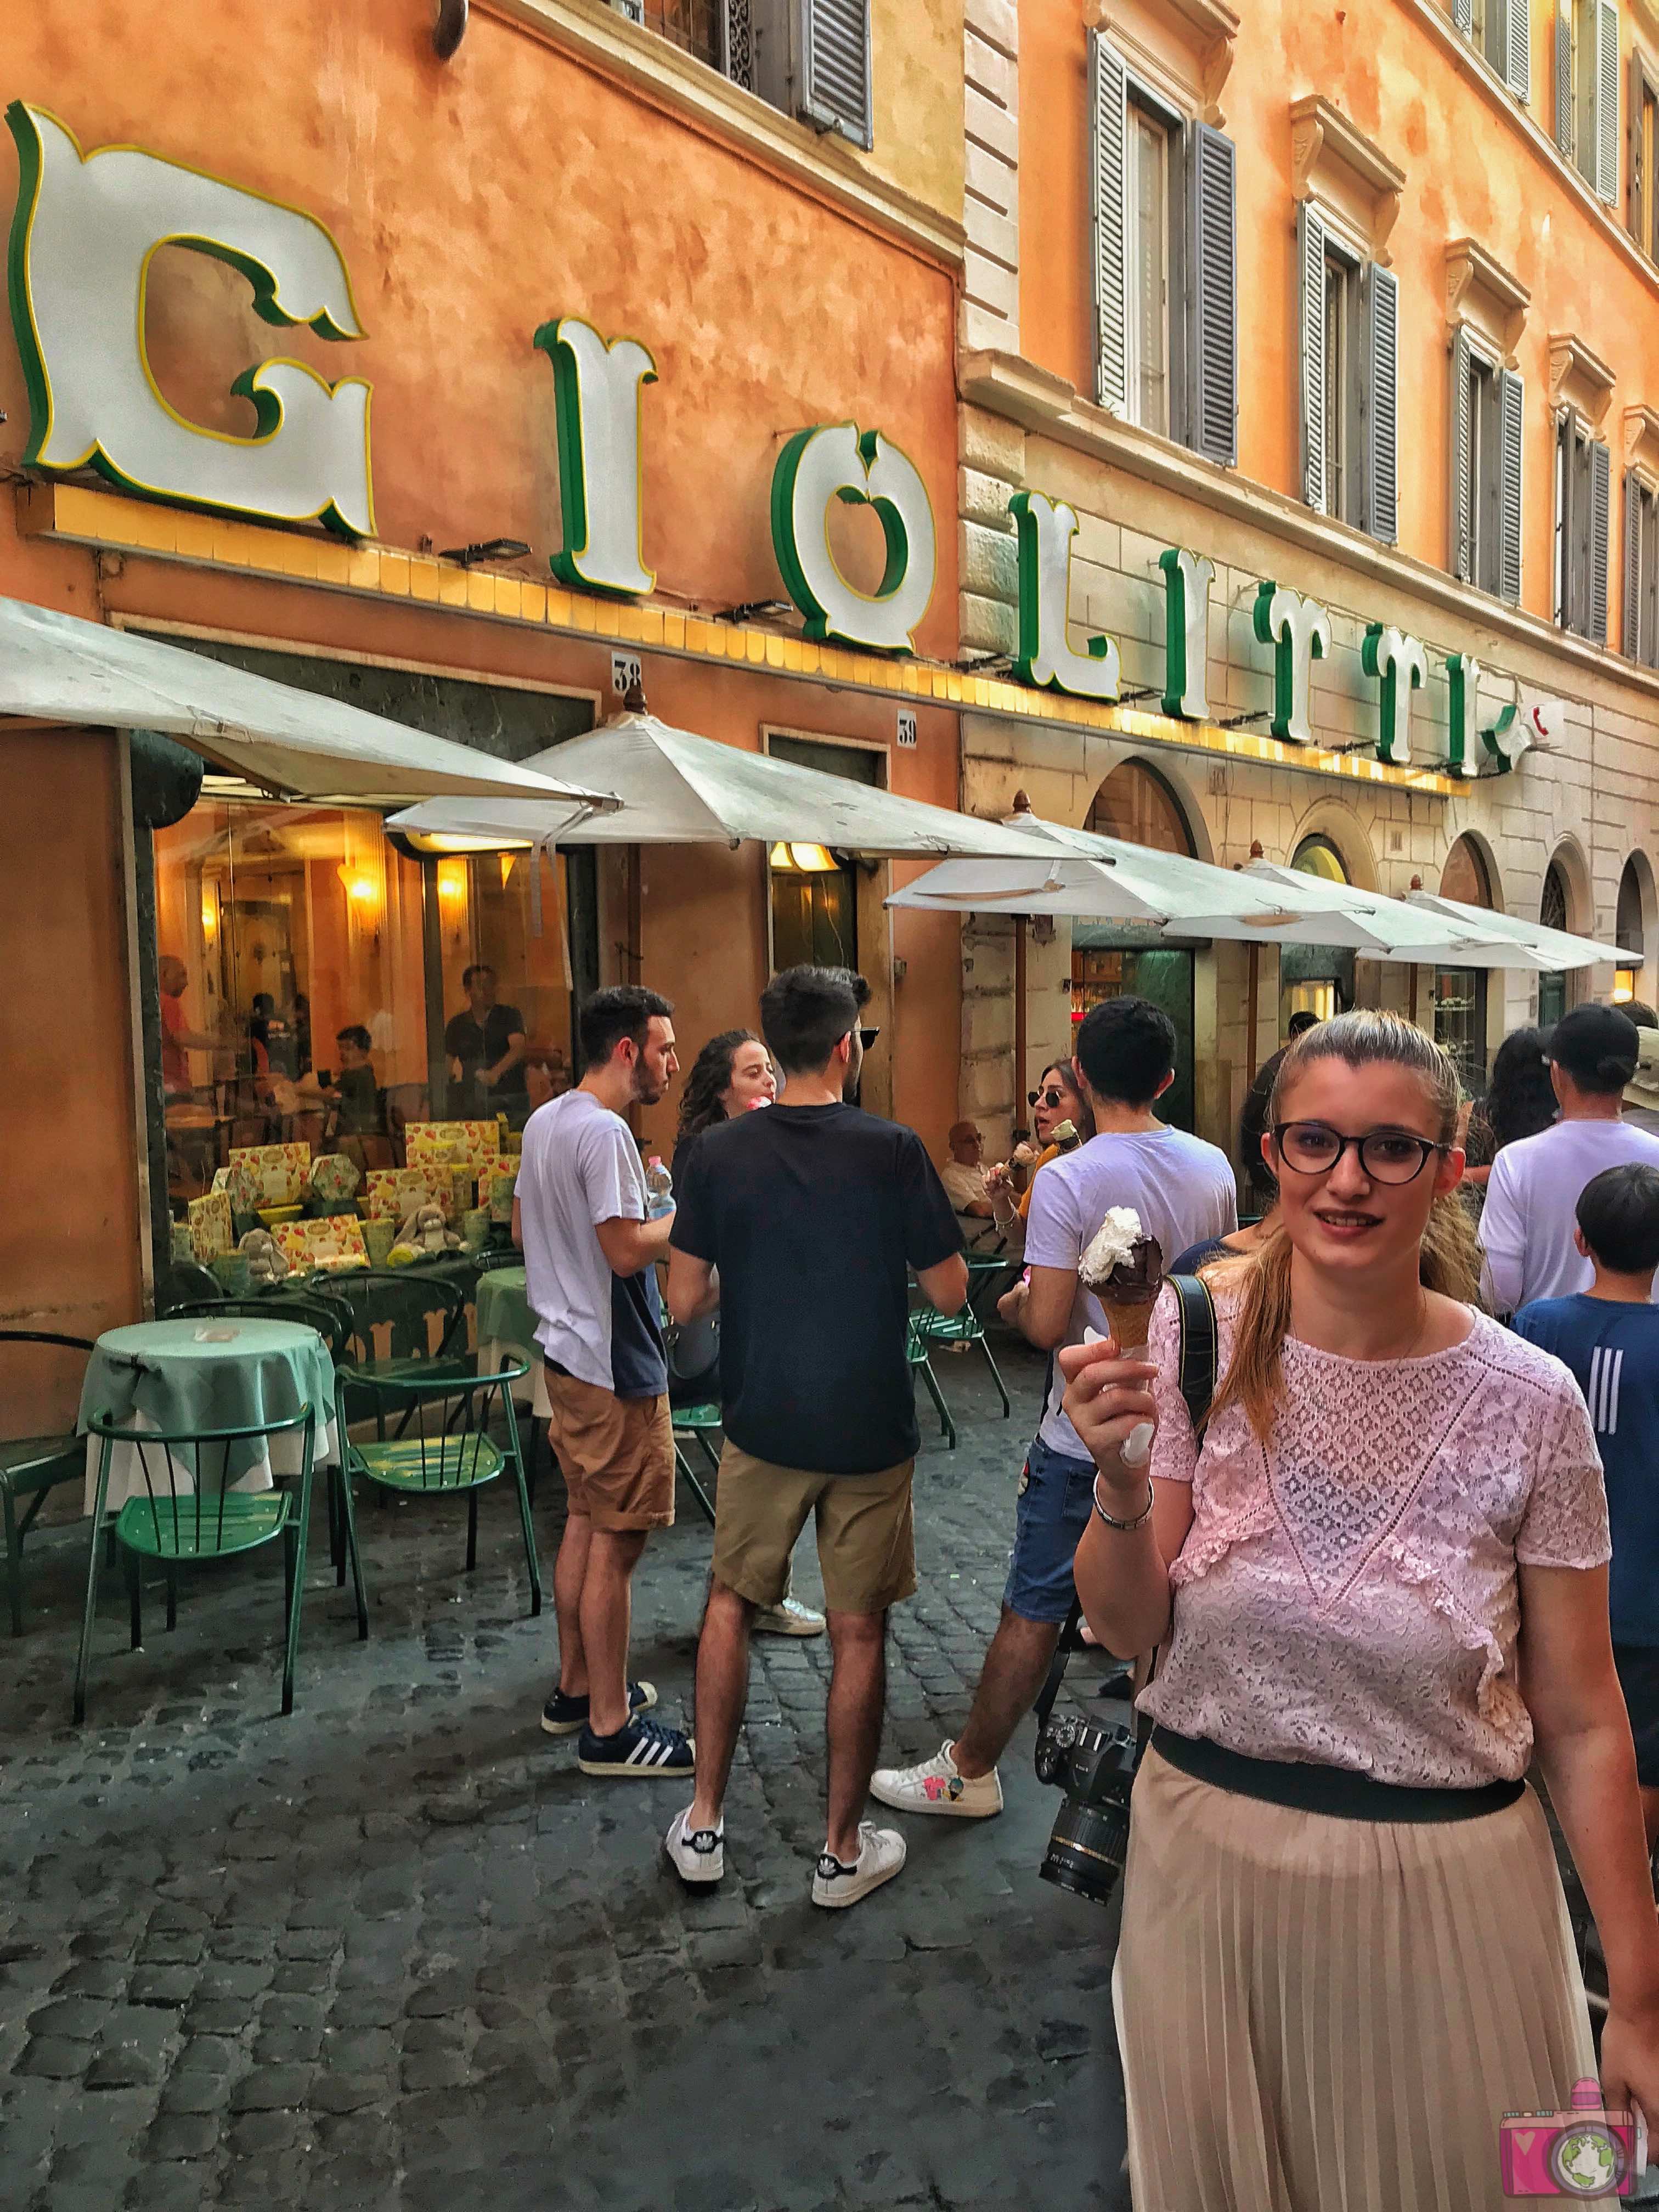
(1469,173)
(472,203)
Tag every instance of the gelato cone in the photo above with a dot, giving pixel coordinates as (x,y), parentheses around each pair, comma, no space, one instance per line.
(1124,1268)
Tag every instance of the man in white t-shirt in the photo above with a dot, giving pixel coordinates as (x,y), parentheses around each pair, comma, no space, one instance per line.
(582,1215)
(1532,1197)
(1184,1192)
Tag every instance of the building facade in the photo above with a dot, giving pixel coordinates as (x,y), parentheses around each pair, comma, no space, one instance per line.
(1357,305)
(560,283)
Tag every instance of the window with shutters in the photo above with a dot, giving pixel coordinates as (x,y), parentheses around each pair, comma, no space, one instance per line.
(809,58)
(1641,633)
(1644,152)
(1586,72)
(1166,351)
(1350,345)
(1500,31)
(1484,488)
(1342,389)
(1581,528)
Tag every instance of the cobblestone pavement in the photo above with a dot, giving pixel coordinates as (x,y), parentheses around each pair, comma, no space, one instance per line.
(395,1953)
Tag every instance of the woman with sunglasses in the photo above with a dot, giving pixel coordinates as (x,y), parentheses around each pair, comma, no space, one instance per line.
(1055,1101)
(1378,1580)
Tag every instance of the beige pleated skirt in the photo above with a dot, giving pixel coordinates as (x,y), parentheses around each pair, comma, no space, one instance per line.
(1327,2016)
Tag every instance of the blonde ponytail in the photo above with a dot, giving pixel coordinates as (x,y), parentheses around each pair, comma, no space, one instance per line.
(1450,1258)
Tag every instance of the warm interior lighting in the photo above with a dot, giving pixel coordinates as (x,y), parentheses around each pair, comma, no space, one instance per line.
(452,883)
(445,840)
(1624,986)
(506,868)
(802,861)
(209,917)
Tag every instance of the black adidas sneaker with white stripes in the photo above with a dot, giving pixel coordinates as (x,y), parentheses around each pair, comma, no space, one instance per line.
(644,1751)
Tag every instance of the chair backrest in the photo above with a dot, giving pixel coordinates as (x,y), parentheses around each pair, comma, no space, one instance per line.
(443,1429)
(183,1282)
(400,1313)
(40,1392)
(188,1474)
(311,1308)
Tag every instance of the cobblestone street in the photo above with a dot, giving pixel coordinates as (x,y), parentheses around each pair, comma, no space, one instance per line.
(395,1952)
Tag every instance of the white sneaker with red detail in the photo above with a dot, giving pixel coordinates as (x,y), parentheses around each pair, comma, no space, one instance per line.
(881,1855)
(936,1786)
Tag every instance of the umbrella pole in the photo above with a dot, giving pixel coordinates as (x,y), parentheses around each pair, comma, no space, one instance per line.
(1417,978)
(635,949)
(1252,1011)
(1019,1016)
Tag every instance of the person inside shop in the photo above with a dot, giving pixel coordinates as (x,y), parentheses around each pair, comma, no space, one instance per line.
(355,1092)
(486,1045)
(178,1040)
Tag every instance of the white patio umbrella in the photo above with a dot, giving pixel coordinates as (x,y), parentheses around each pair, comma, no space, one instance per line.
(1521,944)
(56,668)
(678,788)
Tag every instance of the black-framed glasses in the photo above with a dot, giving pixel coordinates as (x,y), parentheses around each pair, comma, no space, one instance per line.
(1048,1098)
(867,1038)
(1312,1148)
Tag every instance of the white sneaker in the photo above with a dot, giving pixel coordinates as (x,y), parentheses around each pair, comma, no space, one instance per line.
(936,1786)
(881,1854)
(788,1618)
(697,1856)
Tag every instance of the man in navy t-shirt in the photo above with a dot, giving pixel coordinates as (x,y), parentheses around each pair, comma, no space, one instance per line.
(1609,1336)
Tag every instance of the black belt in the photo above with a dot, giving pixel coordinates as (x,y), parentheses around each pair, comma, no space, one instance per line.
(1336,1790)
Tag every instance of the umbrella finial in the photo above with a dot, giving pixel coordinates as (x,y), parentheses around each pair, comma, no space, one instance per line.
(1022,802)
(1258,851)
(634,698)
(1417,883)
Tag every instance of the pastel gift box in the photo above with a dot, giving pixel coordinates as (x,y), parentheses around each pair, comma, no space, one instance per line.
(278,1174)
(211,1226)
(335,1178)
(502,1184)
(476,1142)
(335,1240)
(393,1193)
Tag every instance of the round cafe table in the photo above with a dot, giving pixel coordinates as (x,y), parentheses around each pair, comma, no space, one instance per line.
(175,1376)
(507,1332)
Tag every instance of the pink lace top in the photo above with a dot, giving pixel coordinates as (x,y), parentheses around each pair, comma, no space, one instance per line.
(1349,1596)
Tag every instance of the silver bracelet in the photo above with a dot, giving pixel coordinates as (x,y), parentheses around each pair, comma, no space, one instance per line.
(1144,1515)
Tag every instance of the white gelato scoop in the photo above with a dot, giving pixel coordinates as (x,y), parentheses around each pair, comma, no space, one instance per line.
(1112,1245)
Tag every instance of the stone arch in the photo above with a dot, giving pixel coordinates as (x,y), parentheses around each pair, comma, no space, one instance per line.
(1176,789)
(1334,820)
(1569,856)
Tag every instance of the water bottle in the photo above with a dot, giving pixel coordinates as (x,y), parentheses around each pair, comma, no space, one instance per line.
(659,1189)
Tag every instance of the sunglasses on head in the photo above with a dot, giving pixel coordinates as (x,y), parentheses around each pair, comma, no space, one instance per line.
(1050,1097)
(867,1038)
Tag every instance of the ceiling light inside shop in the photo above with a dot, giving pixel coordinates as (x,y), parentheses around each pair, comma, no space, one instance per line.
(443,840)
(802,860)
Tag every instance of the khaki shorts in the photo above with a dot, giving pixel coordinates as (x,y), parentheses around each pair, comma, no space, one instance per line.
(866,1535)
(617,1454)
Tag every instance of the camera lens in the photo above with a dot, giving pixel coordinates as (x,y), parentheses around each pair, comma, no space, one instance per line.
(1086,1851)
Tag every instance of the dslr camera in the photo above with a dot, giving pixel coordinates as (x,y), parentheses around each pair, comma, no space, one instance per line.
(1094,1768)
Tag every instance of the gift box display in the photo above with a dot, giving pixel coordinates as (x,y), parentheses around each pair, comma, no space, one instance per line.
(267,1174)
(334,1180)
(474,1142)
(209,1221)
(334,1240)
(502,1184)
(393,1193)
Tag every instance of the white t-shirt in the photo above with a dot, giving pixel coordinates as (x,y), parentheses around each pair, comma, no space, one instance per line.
(1532,1199)
(964,1184)
(582,1166)
(1182,1190)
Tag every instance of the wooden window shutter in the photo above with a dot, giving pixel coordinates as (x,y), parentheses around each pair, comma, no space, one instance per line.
(1310,239)
(1599,523)
(1564,77)
(1383,393)
(1517,47)
(1462,15)
(1462,520)
(1631,634)
(1607,101)
(1633,173)
(1510,419)
(1213,266)
(835,51)
(1110,101)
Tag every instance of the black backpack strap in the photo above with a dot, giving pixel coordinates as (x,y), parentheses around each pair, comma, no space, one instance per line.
(1196,1314)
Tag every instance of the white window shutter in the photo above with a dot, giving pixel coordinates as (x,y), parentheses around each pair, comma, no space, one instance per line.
(1512,416)
(1383,393)
(1110,122)
(1214,264)
(1606,100)
(1599,523)
(1517,48)
(1564,77)
(1462,521)
(1310,239)
(835,56)
(1630,636)
(1462,15)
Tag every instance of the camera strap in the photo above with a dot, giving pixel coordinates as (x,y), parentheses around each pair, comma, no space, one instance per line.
(1196,1371)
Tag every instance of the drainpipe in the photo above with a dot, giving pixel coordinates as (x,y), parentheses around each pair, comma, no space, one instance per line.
(449,29)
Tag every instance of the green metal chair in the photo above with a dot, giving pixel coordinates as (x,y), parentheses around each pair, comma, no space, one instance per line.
(698,1423)
(184,1282)
(30,1467)
(310,1307)
(964,1327)
(442,1449)
(181,1519)
(915,1351)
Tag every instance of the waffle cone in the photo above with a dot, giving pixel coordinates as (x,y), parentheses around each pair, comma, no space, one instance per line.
(1129,1319)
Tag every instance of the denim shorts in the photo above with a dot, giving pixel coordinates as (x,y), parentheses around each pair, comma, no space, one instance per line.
(1056,1495)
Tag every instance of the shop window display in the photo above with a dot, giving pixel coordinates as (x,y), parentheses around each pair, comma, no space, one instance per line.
(1460,993)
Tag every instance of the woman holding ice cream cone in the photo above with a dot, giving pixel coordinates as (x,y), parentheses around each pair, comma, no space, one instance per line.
(1378,1578)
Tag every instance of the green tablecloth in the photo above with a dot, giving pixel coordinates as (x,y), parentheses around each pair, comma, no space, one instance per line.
(189,1375)
(504,1314)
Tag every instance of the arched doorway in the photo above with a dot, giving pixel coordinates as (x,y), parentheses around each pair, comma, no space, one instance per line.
(1460,993)
(1555,911)
(1316,979)
(1111,960)
(1629,934)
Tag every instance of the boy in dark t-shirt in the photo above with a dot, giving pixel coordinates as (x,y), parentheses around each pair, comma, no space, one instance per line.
(1609,1336)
